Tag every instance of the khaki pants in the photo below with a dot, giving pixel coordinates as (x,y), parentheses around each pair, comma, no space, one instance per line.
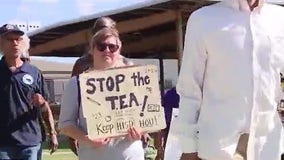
(241,151)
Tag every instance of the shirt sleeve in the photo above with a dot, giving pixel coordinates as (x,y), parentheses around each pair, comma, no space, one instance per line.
(42,88)
(69,110)
(190,84)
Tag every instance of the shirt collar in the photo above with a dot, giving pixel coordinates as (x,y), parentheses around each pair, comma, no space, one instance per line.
(242,5)
(24,68)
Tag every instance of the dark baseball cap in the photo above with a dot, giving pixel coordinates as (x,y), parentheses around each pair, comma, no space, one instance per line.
(10,28)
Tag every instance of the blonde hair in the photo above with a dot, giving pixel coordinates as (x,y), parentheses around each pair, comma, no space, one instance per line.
(26,41)
(102,35)
(26,54)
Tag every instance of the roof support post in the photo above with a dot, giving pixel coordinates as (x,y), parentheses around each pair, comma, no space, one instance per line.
(179,37)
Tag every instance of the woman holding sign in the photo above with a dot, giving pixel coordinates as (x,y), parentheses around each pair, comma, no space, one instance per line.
(105,47)
(85,62)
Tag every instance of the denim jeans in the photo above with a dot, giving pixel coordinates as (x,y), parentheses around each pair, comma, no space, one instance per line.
(21,153)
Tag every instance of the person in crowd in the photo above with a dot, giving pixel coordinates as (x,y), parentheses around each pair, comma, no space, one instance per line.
(105,46)
(23,96)
(229,82)
(86,62)
(169,101)
(46,119)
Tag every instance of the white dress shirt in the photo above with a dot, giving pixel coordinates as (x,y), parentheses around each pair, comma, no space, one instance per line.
(229,81)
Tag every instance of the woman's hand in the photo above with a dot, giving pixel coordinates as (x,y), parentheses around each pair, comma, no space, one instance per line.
(134,134)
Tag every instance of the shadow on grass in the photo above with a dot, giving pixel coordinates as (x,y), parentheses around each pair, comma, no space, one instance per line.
(63,144)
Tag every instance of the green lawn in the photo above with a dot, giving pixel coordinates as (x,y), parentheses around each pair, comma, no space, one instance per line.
(62,153)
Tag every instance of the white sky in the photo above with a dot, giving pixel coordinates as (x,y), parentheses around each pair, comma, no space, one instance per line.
(46,12)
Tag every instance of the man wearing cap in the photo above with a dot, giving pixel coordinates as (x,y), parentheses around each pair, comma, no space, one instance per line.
(22,89)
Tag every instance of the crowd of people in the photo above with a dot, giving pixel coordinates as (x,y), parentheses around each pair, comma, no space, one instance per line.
(227,91)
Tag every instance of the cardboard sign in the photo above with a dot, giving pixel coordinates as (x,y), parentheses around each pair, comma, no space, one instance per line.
(116,99)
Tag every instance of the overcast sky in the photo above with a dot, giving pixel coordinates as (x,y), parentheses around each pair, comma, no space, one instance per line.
(46,12)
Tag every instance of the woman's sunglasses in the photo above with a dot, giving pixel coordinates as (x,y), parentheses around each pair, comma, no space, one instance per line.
(103,46)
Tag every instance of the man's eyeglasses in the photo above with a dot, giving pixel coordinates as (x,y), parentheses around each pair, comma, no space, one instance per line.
(103,46)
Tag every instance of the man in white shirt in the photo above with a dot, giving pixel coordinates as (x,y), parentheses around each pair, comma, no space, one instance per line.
(229,81)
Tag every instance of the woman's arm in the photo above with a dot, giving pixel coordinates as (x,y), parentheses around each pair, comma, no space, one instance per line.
(75,133)
(69,116)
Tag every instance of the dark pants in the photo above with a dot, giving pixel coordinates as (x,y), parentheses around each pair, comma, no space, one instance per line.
(21,153)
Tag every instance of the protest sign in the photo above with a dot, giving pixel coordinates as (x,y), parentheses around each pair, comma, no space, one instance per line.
(116,99)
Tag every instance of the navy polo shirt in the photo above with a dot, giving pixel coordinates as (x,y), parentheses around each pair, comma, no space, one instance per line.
(19,120)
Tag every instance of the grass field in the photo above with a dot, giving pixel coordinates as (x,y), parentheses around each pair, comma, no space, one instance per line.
(62,153)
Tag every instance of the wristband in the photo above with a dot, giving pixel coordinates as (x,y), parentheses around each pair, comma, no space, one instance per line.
(53,132)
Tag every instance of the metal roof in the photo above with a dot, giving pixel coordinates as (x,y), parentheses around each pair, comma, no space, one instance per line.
(123,16)
(147,29)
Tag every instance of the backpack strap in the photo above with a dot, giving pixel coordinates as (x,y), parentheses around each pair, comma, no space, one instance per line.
(79,94)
